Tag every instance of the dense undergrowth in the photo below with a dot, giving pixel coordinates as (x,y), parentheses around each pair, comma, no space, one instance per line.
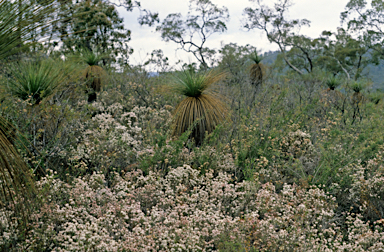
(294,167)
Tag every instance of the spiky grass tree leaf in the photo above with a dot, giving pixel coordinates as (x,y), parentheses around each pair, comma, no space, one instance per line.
(17,21)
(201,111)
(16,184)
(36,80)
(255,57)
(358,86)
(91,58)
(333,83)
(193,84)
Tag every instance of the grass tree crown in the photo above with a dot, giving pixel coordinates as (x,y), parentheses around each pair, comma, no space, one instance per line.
(192,84)
(358,86)
(255,57)
(36,80)
(92,73)
(333,83)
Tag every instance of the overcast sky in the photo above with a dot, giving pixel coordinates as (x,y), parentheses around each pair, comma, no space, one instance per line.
(323,14)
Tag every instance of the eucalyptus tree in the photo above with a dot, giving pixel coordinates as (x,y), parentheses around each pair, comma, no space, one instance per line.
(159,60)
(192,31)
(366,21)
(343,54)
(98,24)
(280,30)
(339,52)
(234,60)
(90,24)
(94,25)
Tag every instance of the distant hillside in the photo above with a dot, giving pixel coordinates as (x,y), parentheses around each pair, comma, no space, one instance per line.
(270,57)
(374,72)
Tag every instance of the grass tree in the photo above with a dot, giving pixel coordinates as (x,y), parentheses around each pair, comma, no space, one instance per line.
(331,95)
(16,183)
(357,87)
(93,73)
(16,28)
(256,71)
(36,80)
(201,110)
(332,83)
(357,98)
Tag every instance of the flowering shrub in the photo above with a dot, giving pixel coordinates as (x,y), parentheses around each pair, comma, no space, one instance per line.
(285,174)
(188,212)
(362,187)
(291,158)
(111,138)
(297,144)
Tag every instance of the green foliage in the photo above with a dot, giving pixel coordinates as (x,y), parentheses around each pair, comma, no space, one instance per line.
(93,24)
(18,21)
(366,23)
(357,86)
(193,84)
(17,185)
(255,57)
(278,28)
(292,157)
(91,58)
(36,80)
(234,60)
(333,82)
(93,74)
(376,97)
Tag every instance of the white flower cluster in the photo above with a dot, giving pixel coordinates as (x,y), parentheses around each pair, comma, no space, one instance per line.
(186,211)
(112,138)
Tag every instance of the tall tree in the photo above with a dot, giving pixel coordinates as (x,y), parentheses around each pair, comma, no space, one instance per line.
(366,21)
(234,59)
(343,54)
(191,32)
(279,30)
(338,52)
(93,25)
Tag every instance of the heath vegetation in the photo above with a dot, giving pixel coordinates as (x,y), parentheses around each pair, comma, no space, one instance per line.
(244,151)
